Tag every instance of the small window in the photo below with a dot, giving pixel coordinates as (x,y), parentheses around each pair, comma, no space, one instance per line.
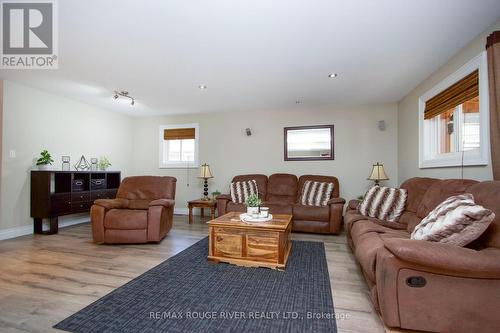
(453,119)
(179,146)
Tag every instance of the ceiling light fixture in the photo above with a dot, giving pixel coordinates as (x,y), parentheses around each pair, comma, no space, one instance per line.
(332,75)
(202,86)
(124,94)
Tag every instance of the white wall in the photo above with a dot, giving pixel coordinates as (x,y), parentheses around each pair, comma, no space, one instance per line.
(35,120)
(224,145)
(408,119)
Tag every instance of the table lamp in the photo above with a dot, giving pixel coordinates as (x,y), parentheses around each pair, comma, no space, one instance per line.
(205,173)
(378,173)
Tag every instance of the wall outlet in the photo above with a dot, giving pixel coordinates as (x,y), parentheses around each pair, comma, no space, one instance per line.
(12,153)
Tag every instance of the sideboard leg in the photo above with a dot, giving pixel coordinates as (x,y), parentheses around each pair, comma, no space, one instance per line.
(37,226)
(53,226)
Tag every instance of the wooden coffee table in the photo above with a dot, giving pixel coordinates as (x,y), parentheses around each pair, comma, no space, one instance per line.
(264,244)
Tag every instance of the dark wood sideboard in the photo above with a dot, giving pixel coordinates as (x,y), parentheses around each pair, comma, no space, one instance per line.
(58,193)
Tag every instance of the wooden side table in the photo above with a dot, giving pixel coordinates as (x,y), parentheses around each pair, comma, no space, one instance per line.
(202,204)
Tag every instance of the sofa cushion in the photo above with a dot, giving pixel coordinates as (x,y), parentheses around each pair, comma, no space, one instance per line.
(126,219)
(457,221)
(440,191)
(383,203)
(235,207)
(241,190)
(315,193)
(311,226)
(260,179)
(368,244)
(311,213)
(410,219)
(366,252)
(416,188)
(487,194)
(282,187)
(365,226)
(279,207)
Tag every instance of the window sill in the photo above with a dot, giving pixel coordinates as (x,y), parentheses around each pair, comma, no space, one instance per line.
(454,160)
(178,166)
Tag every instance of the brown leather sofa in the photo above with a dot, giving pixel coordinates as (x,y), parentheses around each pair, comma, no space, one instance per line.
(142,211)
(281,191)
(427,286)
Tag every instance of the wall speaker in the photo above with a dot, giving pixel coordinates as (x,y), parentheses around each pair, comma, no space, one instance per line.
(248,131)
(381,125)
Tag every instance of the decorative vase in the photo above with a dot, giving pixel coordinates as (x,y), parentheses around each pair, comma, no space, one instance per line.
(252,210)
(43,167)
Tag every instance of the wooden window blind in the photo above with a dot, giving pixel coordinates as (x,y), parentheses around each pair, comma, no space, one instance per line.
(460,92)
(179,134)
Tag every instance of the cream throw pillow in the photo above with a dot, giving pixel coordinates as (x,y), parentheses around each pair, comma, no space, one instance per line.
(457,221)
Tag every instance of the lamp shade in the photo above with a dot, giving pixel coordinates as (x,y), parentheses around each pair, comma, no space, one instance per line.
(205,171)
(378,172)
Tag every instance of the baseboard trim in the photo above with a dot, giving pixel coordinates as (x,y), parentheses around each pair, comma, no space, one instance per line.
(28,229)
(63,222)
(181,211)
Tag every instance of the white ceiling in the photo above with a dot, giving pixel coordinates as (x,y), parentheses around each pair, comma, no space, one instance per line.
(255,54)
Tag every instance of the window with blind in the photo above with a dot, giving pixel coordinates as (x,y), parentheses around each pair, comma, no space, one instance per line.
(179,146)
(453,117)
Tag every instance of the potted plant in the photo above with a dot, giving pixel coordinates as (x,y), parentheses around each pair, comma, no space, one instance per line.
(253,202)
(215,194)
(103,163)
(44,161)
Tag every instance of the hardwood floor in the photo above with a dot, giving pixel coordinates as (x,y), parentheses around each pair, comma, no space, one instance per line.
(44,279)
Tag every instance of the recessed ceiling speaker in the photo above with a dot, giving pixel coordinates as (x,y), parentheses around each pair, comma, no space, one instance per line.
(381,125)
(248,131)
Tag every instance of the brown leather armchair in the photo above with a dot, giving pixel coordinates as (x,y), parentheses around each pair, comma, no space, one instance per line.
(142,211)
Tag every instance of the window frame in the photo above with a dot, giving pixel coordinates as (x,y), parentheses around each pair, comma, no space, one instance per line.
(176,164)
(428,140)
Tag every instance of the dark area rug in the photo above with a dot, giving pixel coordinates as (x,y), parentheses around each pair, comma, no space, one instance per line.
(188,294)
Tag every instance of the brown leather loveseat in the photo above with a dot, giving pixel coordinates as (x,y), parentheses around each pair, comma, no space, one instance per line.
(429,286)
(281,192)
(142,211)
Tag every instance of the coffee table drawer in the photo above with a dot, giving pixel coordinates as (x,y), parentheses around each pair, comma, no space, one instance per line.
(262,247)
(228,245)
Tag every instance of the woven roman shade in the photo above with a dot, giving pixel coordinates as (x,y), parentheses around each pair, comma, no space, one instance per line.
(460,92)
(178,134)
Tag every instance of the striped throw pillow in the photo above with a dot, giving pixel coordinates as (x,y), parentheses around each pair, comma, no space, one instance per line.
(315,193)
(240,191)
(384,203)
(458,221)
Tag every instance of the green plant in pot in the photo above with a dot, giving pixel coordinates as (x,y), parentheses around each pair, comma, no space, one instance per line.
(253,202)
(103,163)
(44,161)
(215,194)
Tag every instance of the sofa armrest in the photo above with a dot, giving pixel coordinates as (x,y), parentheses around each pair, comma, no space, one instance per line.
(446,257)
(336,201)
(353,204)
(223,197)
(112,203)
(162,202)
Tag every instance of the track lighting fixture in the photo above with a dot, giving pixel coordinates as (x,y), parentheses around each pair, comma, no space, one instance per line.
(125,95)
